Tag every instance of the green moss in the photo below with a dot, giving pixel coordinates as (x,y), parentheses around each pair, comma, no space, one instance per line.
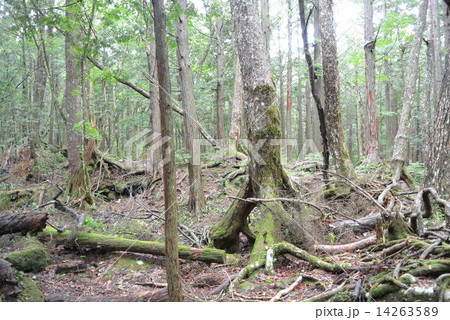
(23,197)
(126,264)
(30,290)
(32,259)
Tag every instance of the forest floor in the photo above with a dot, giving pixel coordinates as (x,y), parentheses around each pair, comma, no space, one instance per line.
(125,274)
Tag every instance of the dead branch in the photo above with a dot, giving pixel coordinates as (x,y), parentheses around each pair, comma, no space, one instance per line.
(285,291)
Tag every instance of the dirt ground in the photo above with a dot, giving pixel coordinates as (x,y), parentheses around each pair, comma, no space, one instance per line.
(125,274)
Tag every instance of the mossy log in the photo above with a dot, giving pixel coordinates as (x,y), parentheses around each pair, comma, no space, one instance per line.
(25,197)
(433,267)
(111,243)
(22,222)
(32,259)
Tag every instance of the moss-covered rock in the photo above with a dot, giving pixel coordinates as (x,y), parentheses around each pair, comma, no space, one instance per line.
(24,197)
(30,290)
(32,259)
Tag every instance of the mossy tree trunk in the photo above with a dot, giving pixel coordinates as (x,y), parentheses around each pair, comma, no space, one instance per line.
(267,178)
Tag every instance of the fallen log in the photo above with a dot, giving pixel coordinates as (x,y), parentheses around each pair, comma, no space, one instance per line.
(361,244)
(360,225)
(22,222)
(111,243)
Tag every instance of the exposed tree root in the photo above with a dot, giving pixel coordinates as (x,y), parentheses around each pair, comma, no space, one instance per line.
(361,244)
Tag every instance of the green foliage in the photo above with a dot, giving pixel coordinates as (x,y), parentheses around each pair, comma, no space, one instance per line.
(90,132)
(92,224)
(417,171)
(49,163)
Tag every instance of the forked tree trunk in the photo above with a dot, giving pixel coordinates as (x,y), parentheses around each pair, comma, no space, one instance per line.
(335,132)
(315,81)
(400,153)
(197,199)
(267,177)
(170,189)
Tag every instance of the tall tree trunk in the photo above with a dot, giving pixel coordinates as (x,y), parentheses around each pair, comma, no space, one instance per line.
(265,24)
(289,85)
(308,113)
(437,62)
(170,189)
(335,132)
(318,71)
(237,108)
(155,118)
(71,99)
(437,173)
(40,80)
(220,60)
(400,153)
(300,117)
(315,89)
(197,199)
(426,104)
(267,177)
(281,98)
(373,151)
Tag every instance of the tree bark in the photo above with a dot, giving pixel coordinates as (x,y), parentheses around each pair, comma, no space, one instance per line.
(220,60)
(197,199)
(314,80)
(170,190)
(267,177)
(155,116)
(22,222)
(71,99)
(400,153)
(112,243)
(289,96)
(373,150)
(265,24)
(437,173)
(335,132)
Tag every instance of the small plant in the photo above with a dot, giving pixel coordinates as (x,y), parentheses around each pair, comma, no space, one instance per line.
(333,237)
(92,224)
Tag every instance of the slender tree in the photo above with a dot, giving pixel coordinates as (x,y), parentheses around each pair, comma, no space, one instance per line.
(315,89)
(197,199)
(335,132)
(400,153)
(373,150)
(170,190)
(289,84)
(220,63)
(72,102)
(154,167)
